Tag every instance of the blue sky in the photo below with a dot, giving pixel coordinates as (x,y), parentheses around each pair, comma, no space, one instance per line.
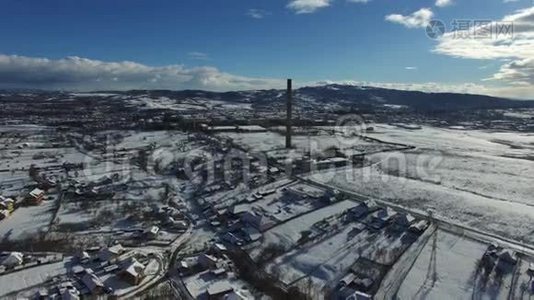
(313,40)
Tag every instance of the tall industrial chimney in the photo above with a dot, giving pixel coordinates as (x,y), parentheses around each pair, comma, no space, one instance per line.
(289,108)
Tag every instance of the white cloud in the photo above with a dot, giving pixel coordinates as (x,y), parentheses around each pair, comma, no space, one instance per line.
(76,73)
(418,19)
(516,47)
(443,3)
(257,13)
(198,55)
(517,72)
(307,6)
(410,68)
(359,1)
(509,1)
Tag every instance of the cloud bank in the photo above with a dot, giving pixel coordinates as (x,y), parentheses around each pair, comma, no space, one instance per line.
(511,42)
(76,73)
(82,74)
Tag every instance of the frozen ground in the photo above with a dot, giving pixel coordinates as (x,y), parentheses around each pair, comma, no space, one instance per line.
(31,277)
(316,142)
(322,261)
(460,175)
(450,275)
(27,222)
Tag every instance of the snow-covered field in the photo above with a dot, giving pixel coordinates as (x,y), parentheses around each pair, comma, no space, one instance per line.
(449,275)
(32,277)
(27,222)
(467,177)
(315,142)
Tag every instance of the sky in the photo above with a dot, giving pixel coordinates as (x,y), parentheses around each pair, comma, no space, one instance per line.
(254,44)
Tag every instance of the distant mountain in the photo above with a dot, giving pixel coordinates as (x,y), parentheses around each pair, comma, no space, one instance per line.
(345,96)
(372,96)
(353,96)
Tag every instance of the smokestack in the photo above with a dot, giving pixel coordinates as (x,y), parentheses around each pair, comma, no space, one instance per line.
(289,105)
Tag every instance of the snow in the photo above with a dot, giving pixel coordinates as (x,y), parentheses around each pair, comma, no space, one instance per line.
(455,266)
(27,221)
(198,284)
(323,260)
(315,142)
(31,277)
(466,180)
(287,234)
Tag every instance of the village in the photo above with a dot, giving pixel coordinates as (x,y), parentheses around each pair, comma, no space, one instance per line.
(209,209)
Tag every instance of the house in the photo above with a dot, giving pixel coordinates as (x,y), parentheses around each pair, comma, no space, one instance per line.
(251,234)
(240,209)
(235,296)
(152,232)
(207,261)
(347,279)
(69,295)
(92,282)
(219,248)
(218,272)
(4,214)
(359,296)
(67,291)
(419,226)
(273,170)
(177,224)
(381,217)
(83,257)
(111,253)
(13,259)
(133,272)
(359,211)
(231,238)
(188,264)
(508,256)
(77,269)
(42,294)
(36,196)
(218,290)
(257,220)
(7,204)
(363,284)
(401,222)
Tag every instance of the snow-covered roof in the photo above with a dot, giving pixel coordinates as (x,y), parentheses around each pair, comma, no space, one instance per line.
(134,267)
(13,259)
(206,259)
(385,213)
(69,294)
(220,287)
(91,281)
(116,249)
(252,233)
(36,193)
